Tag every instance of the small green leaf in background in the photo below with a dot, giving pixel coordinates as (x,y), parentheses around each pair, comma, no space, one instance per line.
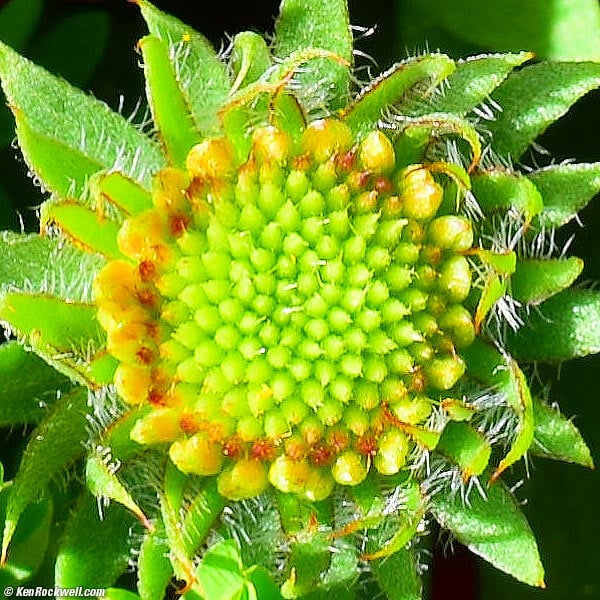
(27,399)
(397,575)
(94,551)
(220,572)
(494,529)
(553,29)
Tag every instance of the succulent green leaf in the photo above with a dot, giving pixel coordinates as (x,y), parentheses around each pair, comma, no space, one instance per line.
(500,190)
(202,76)
(502,373)
(120,191)
(34,263)
(171,115)
(536,280)
(494,529)
(250,58)
(73,46)
(60,112)
(397,575)
(103,483)
(472,82)
(61,332)
(95,549)
(30,540)
(154,568)
(82,226)
(535,97)
(566,190)
(466,447)
(556,437)
(393,88)
(563,327)
(29,385)
(56,443)
(220,572)
(317,24)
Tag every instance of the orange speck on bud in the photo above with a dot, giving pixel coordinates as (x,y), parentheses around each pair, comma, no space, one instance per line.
(264,449)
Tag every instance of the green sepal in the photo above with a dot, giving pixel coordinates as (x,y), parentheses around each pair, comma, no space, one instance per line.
(203,78)
(536,280)
(102,482)
(494,529)
(154,570)
(288,115)
(120,191)
(83,227)
(62,333)
(304,25)
(30,540)
(417,134)
(563,327)
(500,372)
(472,82)
(556,437)
(58,111)
(466,447)
(170,112)
(95,548)
(62,169)
(250,58)
(34,263)
(390,88)
(535,97)
(397,575)
(29,385)
(501,191)
(566,190)
(55,443)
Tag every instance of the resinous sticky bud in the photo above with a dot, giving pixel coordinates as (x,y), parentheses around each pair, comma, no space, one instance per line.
(244,479)
(392,451)
(376,153)
(197,454)
(211,159)
(421,195)
(271,144)
(157,427)
(288,475)
(349,468)
(326,138)
(451,232)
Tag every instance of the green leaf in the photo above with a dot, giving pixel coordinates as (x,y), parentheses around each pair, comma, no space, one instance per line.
(499,191)
(317,24)
(62,333)
(154,569)
(120,191)
(502,373)
(392,88)
(73,46)
(34,263)
(30,540)
(203,78)
(556,437)
(264,585)
(494,529)
(103,483)
(566,190)
(536,280)
(220,572)
(250,58)
(57,111)
(94,551)
(472,82)
(82,226)
(55,443)
(535,97)
(397,575)
(171,115)
(563,327)
(29,385)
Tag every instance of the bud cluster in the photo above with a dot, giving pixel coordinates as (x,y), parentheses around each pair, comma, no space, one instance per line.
(289,317)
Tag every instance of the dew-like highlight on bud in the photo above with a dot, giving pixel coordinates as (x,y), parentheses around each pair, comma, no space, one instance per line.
(287,320)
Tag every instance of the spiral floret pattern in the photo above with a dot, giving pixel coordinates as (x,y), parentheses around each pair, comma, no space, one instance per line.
(291,317)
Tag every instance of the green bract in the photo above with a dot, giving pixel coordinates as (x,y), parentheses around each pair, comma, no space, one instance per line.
(297,313)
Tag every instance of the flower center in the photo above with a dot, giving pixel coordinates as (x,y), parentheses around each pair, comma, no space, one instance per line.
(292,317)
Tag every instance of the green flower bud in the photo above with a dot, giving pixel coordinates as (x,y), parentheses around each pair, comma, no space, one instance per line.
(244,479)
(349,468)
(376,153)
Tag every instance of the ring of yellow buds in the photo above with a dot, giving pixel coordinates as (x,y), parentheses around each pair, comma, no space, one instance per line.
(292,319)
